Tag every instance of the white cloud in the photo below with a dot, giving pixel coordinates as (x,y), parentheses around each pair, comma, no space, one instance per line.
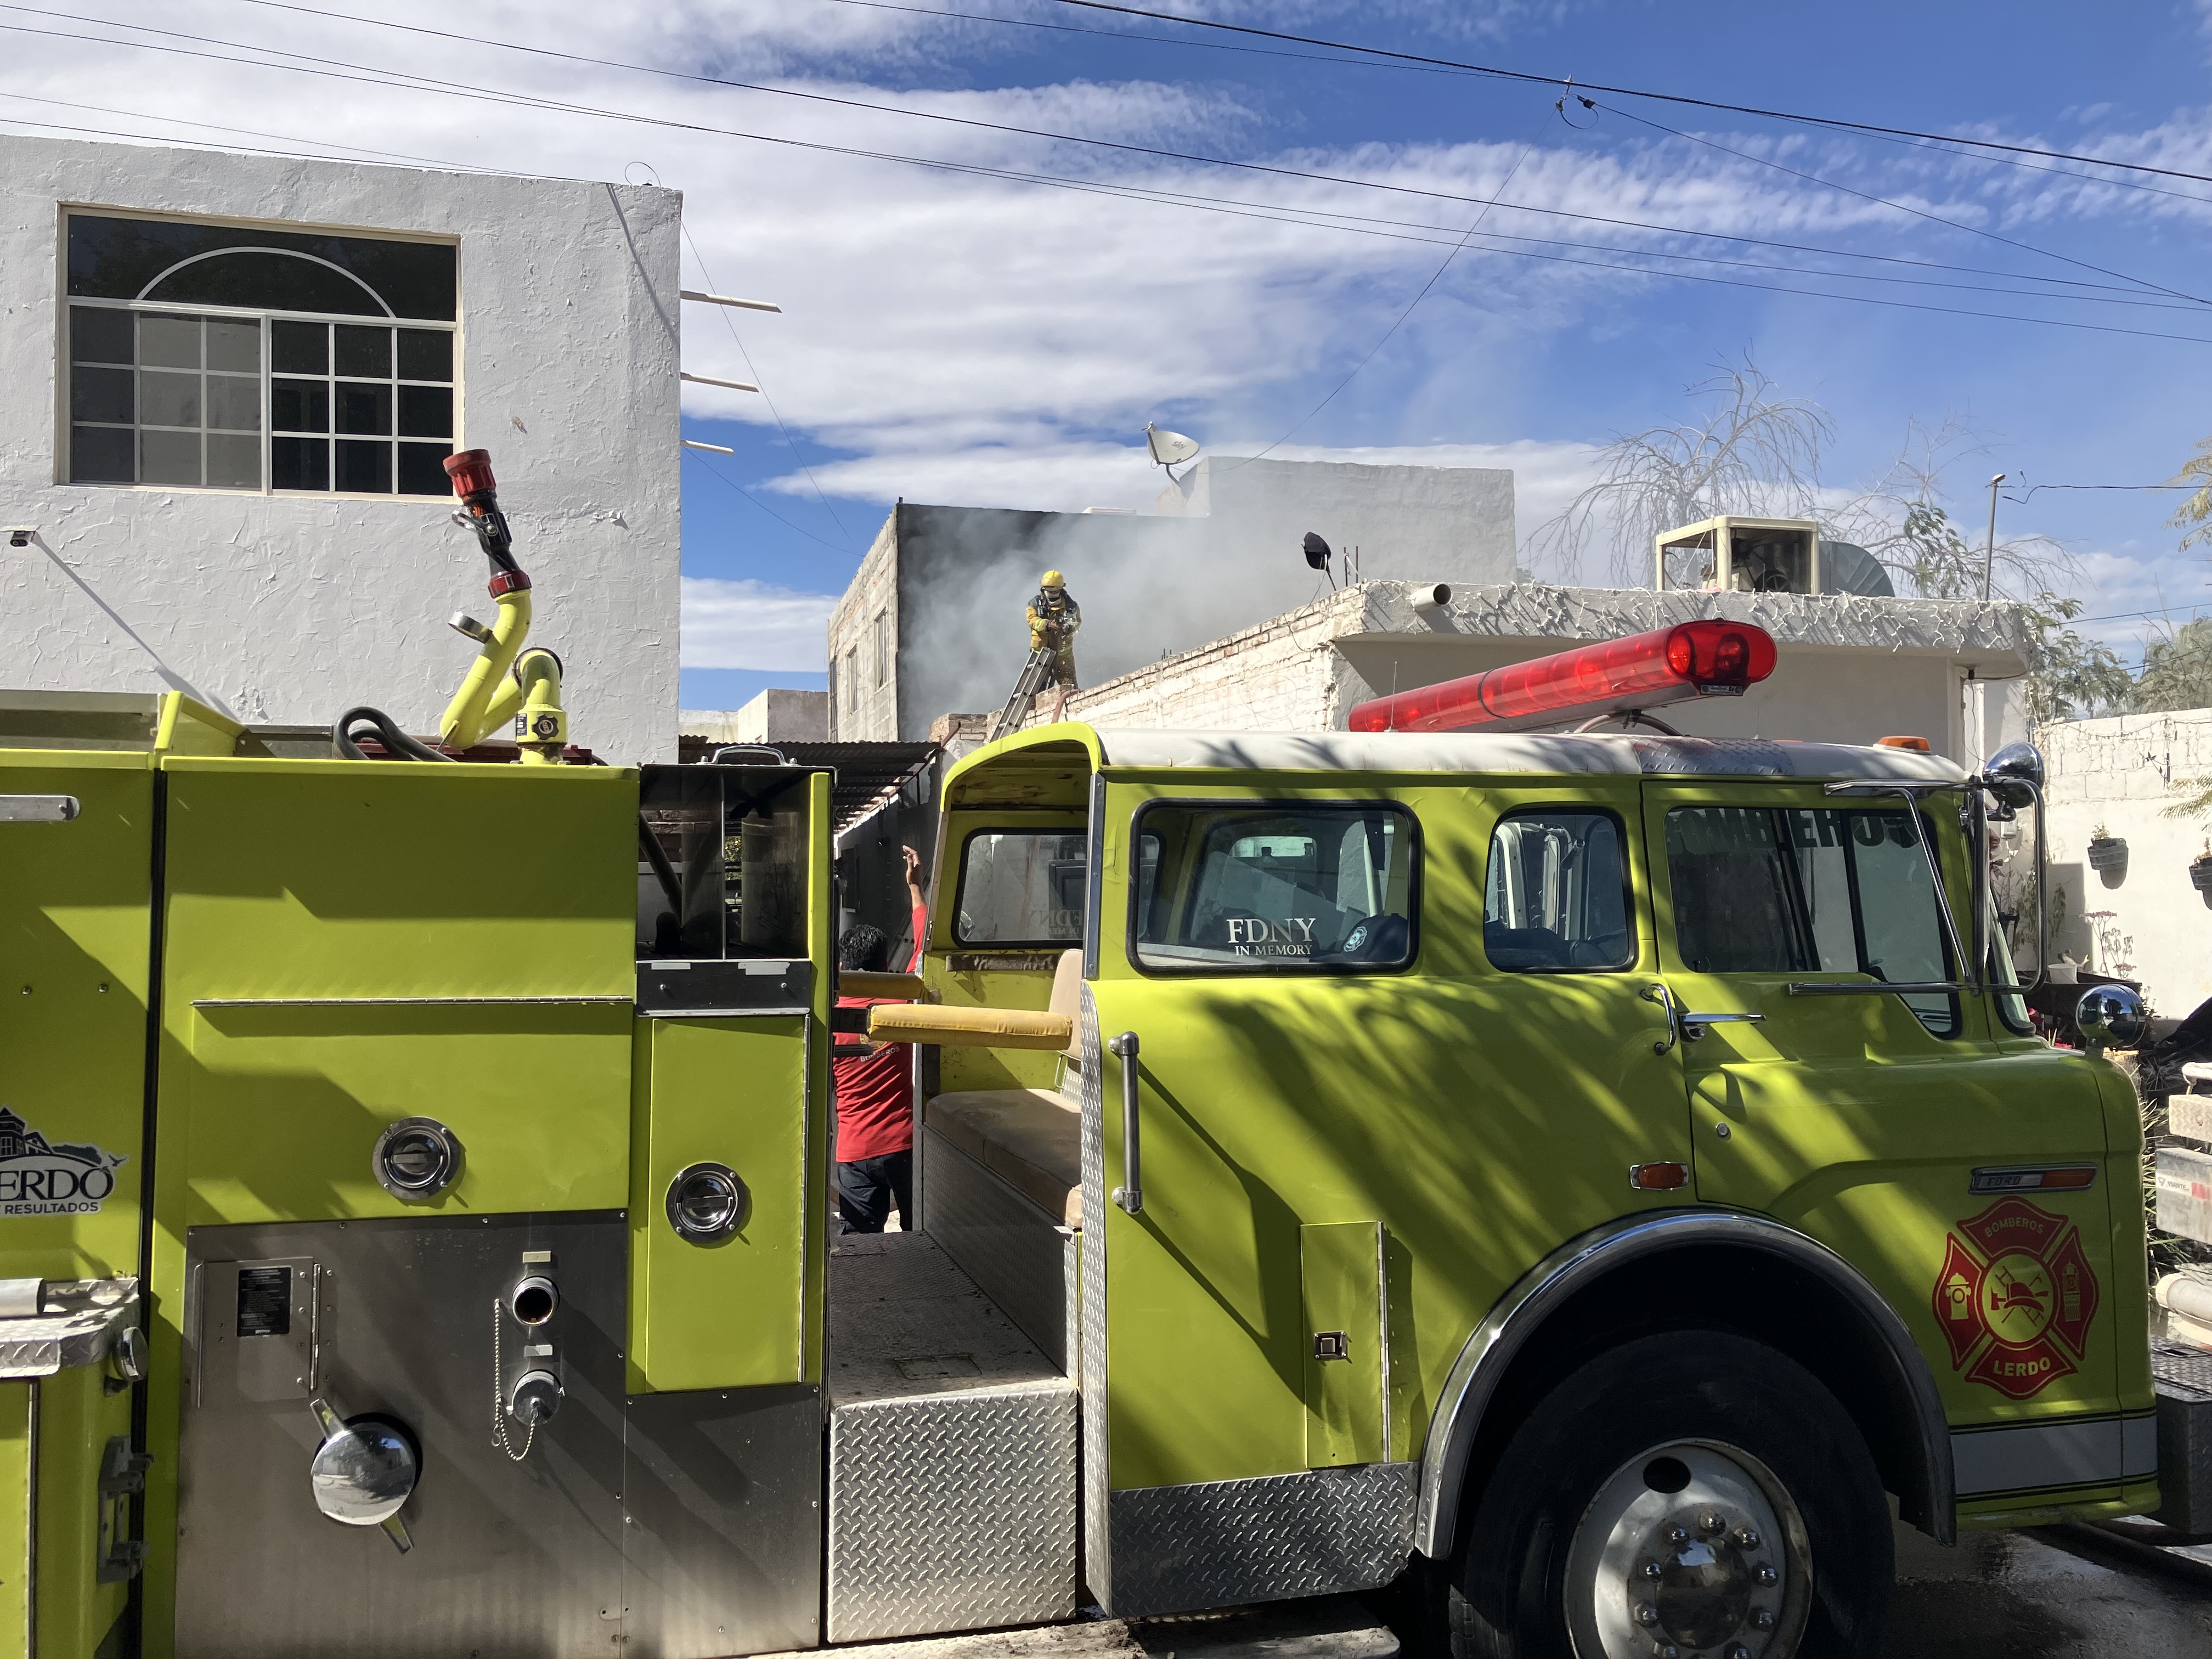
(982,341)
(753,624)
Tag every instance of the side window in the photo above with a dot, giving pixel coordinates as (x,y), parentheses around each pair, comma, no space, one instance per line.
(1285,888)
(1022,887)
(1808,890)
(1555,899)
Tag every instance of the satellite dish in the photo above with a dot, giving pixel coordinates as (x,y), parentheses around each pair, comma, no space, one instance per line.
(1169,448)
(1845,568)
(1317,551)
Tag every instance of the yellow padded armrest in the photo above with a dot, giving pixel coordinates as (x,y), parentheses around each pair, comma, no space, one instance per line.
(969,1028)
(850,983)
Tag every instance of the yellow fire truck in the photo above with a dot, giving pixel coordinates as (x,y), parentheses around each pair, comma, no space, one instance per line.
(1583,1178)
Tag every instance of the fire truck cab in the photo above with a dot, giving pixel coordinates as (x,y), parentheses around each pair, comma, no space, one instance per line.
(1585,1178)
(1595,1169)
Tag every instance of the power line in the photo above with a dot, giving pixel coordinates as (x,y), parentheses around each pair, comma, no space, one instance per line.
(1900,138)
(421,83)
(1863,195)
(1435,277)
(403,81)
(210,126)
(701,259)
(2032,489)
(1571,85)
(725,478)
(1061,138)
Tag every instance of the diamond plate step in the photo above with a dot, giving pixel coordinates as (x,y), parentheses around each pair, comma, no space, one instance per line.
(953,1453)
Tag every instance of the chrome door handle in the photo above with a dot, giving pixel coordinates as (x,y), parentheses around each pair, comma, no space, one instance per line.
(1665,999)
(1130,1196)
(1693,1025)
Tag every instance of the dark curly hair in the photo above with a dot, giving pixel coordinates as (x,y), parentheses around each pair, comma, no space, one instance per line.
(864,949)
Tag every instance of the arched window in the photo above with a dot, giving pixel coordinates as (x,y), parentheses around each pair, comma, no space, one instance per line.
(238,357)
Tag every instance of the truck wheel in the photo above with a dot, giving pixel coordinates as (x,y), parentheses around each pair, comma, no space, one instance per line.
(1693,1495)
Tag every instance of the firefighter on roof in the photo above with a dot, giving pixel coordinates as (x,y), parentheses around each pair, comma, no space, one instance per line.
(1053,617)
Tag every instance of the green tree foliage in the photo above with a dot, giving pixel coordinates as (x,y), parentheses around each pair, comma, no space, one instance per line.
(2177,672)
(2069,678)
(1931,555)
(2195,515)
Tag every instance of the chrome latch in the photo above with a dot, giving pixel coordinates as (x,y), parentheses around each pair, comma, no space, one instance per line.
(1332,1344)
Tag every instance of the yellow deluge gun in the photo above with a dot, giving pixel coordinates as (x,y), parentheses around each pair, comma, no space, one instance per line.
(507,681)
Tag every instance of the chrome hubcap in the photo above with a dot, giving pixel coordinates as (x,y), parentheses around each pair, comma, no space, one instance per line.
(1692,1550)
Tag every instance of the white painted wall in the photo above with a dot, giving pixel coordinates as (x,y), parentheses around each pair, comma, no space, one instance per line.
(775,715)
(292,608)
(1850,669)
(2123,773)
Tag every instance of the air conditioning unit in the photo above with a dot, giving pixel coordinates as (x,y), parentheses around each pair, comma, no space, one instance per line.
(1730,555)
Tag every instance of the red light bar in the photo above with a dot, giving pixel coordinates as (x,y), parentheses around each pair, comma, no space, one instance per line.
(1645,670)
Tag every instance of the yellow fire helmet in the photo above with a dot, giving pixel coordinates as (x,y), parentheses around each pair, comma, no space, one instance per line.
(1054,578)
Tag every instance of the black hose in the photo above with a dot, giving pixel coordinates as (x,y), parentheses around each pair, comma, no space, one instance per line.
(398,745)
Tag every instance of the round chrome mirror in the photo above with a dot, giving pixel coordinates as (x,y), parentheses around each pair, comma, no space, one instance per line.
(364,1471)
(2109,1016)
(2014,766)
(416,1159)
(707,1203)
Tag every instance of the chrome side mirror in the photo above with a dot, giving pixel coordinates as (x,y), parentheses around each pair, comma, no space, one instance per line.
(2012,766)
(2110,1017)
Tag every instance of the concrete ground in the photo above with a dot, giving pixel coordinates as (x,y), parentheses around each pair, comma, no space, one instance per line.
(2053,1593)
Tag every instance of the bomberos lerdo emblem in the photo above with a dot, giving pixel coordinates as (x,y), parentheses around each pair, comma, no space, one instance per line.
(2015,1298)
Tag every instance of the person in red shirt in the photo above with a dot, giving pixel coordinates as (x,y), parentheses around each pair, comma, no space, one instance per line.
(873,1086)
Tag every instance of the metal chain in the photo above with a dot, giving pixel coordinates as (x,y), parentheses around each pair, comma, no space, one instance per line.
(498,1400)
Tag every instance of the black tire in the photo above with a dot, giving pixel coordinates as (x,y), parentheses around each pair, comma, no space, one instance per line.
(1510,1578)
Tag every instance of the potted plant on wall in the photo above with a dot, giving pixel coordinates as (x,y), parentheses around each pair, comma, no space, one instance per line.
(2196,803)
(2108,857)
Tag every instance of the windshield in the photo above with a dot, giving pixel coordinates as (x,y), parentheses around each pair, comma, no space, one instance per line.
(1821,889)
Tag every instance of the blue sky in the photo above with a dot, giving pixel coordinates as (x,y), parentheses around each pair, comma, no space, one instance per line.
(949,337)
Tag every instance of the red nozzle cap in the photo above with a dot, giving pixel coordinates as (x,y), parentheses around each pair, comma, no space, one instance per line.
(470,471)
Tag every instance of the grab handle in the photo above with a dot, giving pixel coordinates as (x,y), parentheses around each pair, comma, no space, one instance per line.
(1130,1197)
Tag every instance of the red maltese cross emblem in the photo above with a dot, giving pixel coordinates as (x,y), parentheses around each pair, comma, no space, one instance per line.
(2015,1298)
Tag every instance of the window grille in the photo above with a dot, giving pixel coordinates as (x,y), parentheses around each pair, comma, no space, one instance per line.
(231,357)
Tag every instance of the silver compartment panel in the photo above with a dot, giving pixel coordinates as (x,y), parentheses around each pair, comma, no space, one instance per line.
(664,1527)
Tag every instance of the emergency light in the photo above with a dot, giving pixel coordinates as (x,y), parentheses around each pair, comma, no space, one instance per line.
(1645,670)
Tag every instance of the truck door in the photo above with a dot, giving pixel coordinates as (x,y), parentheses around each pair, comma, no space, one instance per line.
(1395,1046)
(1956,1164)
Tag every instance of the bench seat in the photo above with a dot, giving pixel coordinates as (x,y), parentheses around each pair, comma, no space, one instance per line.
(1031,1139)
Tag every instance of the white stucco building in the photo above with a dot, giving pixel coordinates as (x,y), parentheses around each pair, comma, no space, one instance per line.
(231,381)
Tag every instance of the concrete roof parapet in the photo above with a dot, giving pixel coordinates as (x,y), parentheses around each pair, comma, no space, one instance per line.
(1996,631)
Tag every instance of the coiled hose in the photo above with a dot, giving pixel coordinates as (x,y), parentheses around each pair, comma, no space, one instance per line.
(345,737)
